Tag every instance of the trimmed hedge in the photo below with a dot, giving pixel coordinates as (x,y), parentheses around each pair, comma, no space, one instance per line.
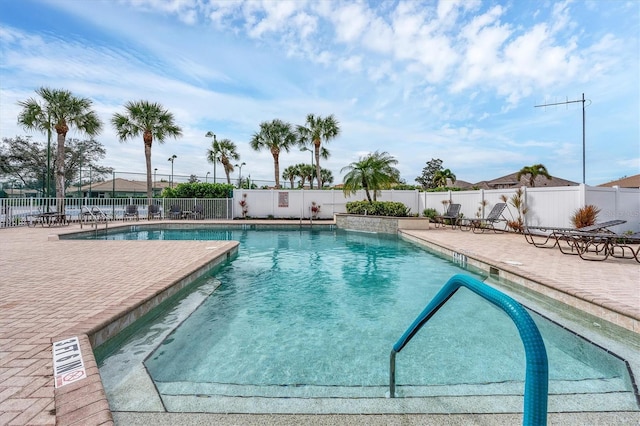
(378,208)
(199,190)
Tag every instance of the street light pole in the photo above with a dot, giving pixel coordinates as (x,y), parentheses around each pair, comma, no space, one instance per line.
(154,181)
(206,178)
(214,149)
(239,166)
(172,158)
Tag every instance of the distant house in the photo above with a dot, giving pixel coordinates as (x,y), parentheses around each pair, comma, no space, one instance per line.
(510,181)
(21,193)
(463,185)
(626,182)
(117,188)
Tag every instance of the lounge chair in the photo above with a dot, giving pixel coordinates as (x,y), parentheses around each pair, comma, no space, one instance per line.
(154,212)
(130,212)
(452,215)
(600,245)
(175,212)
(197,212)
(487,223)
(550,237)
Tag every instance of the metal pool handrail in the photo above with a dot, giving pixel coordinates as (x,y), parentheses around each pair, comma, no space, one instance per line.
(537,372)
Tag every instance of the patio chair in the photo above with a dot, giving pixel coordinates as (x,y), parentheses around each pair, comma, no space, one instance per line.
(550,237)
(154,212)
(487,223)
(130,212)
(175,212)
(452,215)
(197,212)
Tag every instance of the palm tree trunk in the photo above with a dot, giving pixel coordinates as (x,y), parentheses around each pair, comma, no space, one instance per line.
(366,189)
(60,173)
(147,158)
(318,168)
(276,167)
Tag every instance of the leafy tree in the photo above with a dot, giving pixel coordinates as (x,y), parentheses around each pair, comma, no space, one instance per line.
(428,173)
(152,121)
(441,177)
(533,172)
(276,136)
(193,179)
(315,130)
(26,160)
(59,110)
(372,173)
(223,150)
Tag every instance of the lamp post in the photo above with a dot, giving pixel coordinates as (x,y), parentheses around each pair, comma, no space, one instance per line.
(206,178)
(172,158)
(239,166)
(304,148)
(215,152)
(154,181)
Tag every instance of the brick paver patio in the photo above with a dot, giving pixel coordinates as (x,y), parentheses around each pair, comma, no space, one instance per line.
(52,289)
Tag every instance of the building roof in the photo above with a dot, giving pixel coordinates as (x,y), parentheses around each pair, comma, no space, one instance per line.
(625,182)
(510,181)
(121,185)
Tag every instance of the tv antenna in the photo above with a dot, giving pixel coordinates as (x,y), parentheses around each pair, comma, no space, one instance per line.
(583,127)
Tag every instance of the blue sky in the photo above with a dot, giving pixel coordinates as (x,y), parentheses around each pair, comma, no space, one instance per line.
(455,80)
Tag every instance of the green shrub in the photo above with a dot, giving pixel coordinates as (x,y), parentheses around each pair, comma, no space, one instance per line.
(430,213)
(378,208)
(199,190)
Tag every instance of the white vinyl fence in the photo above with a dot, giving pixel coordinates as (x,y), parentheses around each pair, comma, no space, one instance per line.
(548,206)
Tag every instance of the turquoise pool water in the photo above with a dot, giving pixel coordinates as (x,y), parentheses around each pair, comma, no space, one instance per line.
(314,314)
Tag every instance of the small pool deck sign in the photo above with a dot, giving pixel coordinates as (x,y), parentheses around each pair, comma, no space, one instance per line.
(68,366)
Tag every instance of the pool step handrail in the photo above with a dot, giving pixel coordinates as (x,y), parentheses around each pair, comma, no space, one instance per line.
(537,371)
(96,216)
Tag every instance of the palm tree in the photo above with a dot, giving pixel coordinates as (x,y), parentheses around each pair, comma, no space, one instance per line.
(533,172)
(223,150)
(327,177)
(441,177)
(372,173)
(59,110)
(275,136)
(290,174)
(151,121)
(306,172)
(315,130)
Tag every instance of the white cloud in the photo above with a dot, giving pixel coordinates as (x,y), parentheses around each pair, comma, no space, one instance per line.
(350,21)
(352,64)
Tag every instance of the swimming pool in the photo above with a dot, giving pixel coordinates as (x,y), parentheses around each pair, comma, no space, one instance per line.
(311,316)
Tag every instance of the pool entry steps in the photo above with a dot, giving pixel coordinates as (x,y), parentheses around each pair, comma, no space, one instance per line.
(537,372)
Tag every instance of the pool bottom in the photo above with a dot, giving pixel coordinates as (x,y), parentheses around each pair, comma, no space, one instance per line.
(130,389)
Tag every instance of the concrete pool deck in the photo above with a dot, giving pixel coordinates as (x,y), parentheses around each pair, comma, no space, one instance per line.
(53,289)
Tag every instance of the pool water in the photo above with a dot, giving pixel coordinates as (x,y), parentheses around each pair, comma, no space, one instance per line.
(314,314)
